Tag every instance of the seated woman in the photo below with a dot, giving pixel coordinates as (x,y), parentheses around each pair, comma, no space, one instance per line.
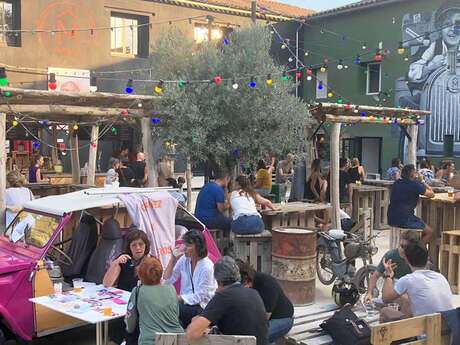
(197,285)
(278,307)
(243,199)
(121,273)
(152,306)
(446,171)
(356,171)
(425,171)
(394,173)
(316,186)
(263,184)
(112,175)
(35,175)
(16,195)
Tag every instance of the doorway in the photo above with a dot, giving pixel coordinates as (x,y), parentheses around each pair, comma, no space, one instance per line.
(371,150)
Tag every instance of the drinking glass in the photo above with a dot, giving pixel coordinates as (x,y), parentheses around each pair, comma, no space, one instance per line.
(450,192)
(77,284)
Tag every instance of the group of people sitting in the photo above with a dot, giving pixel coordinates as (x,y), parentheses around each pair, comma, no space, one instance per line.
(212,203)
(444,173)
(227,297)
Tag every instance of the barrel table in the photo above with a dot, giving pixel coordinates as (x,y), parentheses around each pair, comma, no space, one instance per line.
(294,263)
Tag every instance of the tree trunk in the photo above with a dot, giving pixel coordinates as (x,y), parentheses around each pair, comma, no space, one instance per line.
(412,146)
(188,177)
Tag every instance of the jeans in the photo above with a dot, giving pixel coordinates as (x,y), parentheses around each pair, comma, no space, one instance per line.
(278,328)
(245,225)
(218,222)
(187,313)
(414,222)
(263,191)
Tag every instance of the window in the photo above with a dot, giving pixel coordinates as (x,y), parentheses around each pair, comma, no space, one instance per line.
(374,80)
(10,19)
(321,84)
(201,32)
(127,38)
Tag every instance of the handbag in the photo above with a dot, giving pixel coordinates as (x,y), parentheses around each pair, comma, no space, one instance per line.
(134,317)
(346,328)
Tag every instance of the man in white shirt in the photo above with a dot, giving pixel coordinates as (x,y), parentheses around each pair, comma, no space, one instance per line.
(428,291)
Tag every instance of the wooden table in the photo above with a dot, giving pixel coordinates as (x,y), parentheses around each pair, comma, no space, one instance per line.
(296,214)
(374,198)
(441,213)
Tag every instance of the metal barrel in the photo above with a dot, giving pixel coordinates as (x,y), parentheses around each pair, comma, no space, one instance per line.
(294,263)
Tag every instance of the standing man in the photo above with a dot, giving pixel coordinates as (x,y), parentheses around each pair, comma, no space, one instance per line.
(164,172)
(211,203)
(284,172)
(404,198)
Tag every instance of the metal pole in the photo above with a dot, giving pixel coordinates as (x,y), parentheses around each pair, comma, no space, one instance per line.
(253,11)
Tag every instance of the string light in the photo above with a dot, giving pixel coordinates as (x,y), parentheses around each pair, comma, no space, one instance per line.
(234,85)
(306,53)
(309,71)
(283,46)
(52,85)
(340,65)
(378,57)
(269,79)
(284,76)
(252,82)
(7,94)
(364,46)
(217,80)
(129,86)
(320,85)
(330,95)
(426,40)
(75,127)
(309,77)
(298,74)
(226,40)
(323,68)
(340,101)
(15,123)
(3,77)
(159,87)
(357,60)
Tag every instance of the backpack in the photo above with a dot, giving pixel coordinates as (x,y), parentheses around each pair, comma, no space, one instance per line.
(346,328)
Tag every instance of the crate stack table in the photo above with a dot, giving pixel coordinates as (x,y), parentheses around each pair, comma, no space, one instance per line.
(382,200)
(365,198)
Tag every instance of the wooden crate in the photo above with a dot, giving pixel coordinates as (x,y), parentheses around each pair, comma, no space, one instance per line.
(450,258)
(221,238)
(396,235)
(257,249)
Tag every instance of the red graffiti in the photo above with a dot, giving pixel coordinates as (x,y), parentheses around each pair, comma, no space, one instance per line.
(65,19)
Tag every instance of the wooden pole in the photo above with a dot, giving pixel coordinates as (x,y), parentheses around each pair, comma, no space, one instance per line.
(2,172)
(54,152)
(91,178)
(147,143)
(188,177)
(334,173)
(74,157)
(412,146)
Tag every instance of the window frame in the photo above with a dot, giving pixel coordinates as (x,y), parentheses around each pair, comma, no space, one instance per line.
(143,35)
(16,23)
(368,78)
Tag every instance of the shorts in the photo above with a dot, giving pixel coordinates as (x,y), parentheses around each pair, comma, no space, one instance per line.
(414,222)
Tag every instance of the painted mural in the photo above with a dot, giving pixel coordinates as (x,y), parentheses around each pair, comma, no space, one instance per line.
(432,82)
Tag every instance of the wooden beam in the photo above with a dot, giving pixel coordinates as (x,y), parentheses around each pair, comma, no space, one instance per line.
(334,173)
(412,146)
(147,144)
(100,99)
(2,172)
(361,119)
(74,157)
(341,109)
(91,178)
(68,110)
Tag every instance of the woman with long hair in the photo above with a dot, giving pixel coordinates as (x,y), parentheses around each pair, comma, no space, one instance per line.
(35,175)
(356,171)
(243,199)
(394,173)
(316,186)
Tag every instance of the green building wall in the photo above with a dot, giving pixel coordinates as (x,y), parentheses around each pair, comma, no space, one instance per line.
(369,26)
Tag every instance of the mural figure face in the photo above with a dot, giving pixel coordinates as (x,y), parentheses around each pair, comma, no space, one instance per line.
(451,29)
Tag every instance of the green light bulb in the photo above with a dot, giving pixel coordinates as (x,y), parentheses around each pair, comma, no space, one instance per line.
(3,81)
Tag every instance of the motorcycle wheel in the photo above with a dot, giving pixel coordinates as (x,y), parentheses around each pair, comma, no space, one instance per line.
(362,278)
(324,265)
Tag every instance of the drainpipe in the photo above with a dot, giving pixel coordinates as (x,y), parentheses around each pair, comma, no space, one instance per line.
(253,11)
(297,59)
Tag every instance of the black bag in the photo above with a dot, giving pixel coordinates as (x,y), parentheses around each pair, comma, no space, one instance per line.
(346,328)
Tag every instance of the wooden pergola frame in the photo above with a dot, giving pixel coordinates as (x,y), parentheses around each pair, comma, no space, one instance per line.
(71,108)
(338,114)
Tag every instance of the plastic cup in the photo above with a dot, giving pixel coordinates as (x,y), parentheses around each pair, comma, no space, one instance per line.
(358,184)
(107,311)
(57,288)
(394,306)
(77,284)
(450,192)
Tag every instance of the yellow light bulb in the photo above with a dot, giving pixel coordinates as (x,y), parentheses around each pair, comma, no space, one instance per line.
(167,143)
(322,69)
(158,89)
(283,46)
(403,121)
(306,53)
(75,127)
(406,59)
(15,123)
(401,51)
(269,81)
(330,94)
(371,117)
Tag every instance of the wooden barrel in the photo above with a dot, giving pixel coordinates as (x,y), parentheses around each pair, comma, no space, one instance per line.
(294,263)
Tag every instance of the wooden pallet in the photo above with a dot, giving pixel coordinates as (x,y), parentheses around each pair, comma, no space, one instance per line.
(257,249)
(306,330)
(450,258)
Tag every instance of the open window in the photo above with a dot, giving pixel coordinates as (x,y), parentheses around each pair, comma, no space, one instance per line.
(129,35)
(374,79)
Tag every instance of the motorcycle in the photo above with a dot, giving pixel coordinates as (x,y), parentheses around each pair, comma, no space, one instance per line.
(332,267)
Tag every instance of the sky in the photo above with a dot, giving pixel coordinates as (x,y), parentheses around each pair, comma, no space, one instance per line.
(318,5)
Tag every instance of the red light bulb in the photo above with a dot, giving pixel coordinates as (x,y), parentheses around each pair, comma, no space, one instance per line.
(378,58)
(217,80)
(298,74)
(125,112)
(309,71)
(326,60)
(52,86)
